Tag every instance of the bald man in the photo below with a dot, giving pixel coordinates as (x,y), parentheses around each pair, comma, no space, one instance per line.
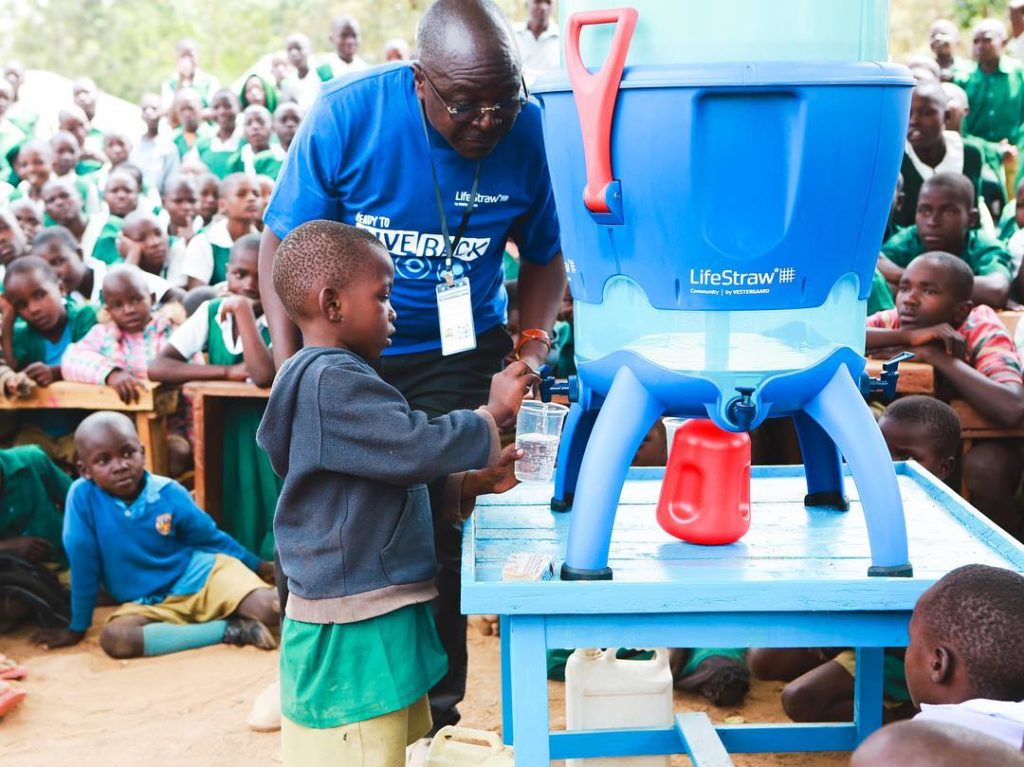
(443,160)
(927,744)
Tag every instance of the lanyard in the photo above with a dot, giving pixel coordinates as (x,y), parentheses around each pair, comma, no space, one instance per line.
(449,244)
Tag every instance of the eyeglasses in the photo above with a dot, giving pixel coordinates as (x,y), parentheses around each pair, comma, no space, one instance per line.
(467,113)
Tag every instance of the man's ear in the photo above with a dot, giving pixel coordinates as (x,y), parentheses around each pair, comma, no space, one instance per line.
(940,667)
(331,304)
(973,218)
(418,80)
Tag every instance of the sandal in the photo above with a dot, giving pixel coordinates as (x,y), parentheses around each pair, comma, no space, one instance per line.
(10,697)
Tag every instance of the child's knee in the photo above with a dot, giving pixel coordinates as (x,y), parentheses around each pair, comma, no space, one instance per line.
(992,467)
(122,639)
(262,605)
(802,701)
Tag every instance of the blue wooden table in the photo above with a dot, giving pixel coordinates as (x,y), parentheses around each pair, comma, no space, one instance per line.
(797,579)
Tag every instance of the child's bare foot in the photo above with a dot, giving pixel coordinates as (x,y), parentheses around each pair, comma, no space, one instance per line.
(243,631)
(487,625)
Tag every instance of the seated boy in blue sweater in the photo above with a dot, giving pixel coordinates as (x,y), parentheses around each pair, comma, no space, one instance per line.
(183,582)
(353,523)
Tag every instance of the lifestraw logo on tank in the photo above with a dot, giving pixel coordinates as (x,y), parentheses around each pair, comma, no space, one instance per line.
(731,282)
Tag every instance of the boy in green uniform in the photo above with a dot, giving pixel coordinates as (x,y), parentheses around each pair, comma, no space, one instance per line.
(32,493)
(995,89)
(66,155)
(206,256)
(345,39)
(286,122)
(233,332)
(359,645)
(37,326)
(191,128)
(261,156)
(219,152)
(945,220)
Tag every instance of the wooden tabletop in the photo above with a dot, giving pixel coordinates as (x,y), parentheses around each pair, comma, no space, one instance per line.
(80,396)
(225,389)
(793,558)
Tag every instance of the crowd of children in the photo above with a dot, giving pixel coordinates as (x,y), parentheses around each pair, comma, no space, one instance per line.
(131,259)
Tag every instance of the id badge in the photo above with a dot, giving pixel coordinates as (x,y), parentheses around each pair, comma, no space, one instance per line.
(455,316)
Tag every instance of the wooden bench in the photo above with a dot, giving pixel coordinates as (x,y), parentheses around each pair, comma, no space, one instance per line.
(149,413)
(974,426)
(208,425)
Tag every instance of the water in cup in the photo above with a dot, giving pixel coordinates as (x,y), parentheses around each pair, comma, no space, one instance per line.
(538,429)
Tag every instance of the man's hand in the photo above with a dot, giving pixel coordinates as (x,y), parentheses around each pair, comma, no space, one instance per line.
(508,388)
(499,478)
(51,639)
(945,335)
(26,547)
(41,373)
(126,385)
(265,570)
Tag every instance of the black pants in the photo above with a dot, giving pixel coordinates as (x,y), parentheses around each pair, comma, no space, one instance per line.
(436,385)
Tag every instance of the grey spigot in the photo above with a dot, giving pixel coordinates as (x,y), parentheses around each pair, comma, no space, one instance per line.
(742,409)
(886,383)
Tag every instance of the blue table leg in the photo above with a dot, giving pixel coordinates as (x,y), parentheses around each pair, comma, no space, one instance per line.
(578,426)
(628,413)
(823,465)
(506,681)
(841,410)
(867,691)
(529,691)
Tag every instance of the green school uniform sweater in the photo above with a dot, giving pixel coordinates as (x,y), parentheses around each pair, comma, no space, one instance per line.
(997,101)
(32,497)
(982,252)
(28,343)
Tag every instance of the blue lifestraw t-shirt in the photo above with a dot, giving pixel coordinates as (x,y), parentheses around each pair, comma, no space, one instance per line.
(360,157)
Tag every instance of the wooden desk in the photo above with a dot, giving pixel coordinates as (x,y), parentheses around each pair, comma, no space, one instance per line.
(208,427)
(915,377)
(796,579)
(149,413)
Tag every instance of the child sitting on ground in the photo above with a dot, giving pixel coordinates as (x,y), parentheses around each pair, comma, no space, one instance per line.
(144,243)
(923,429)
(37,326)
(233,332)
(64,208)
(969,347)
(946,215)
(965,660)
(32,493)
(82,278)
(66,156)
(259,156)
(219,152)
(29,215)
(120,197)
(183,583)
(12,239)
(188,107)
(286,122)
(209,197)
(34,166)
(206,257)
(361,580)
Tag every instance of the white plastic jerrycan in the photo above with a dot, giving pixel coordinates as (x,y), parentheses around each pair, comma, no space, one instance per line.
(602,692)
(463,747)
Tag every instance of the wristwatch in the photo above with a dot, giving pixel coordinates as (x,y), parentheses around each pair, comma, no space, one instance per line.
(532,334)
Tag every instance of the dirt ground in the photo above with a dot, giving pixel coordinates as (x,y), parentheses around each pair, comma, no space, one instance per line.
(86,709)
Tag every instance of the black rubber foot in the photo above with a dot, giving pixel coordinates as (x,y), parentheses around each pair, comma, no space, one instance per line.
(898,571)
(558,504)
(830,500)
(577,574)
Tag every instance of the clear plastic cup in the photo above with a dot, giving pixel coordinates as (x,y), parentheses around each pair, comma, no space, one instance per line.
(538,430)
(671,424)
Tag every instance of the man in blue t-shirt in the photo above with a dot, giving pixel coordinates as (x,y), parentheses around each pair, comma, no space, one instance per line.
(443,160)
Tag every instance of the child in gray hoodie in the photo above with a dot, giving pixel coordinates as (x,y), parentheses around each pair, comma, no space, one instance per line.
(353,523)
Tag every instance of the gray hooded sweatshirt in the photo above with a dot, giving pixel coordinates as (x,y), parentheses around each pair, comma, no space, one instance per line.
(353,522)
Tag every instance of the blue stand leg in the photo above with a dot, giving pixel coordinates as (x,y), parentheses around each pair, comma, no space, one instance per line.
(842,412)
(867,691)
(506,680)
(530,691)
(823,465)
(628,413)
(578,426)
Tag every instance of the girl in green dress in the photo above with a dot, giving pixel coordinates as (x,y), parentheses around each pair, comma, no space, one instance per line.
(233,333)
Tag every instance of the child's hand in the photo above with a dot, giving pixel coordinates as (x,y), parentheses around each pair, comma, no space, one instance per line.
(130,250)
(265,570)
(508,388)
(499,478)
(235,304)
(126,385)
(945,335)
(51,639)
(26,547)
(41,373)
(236,372)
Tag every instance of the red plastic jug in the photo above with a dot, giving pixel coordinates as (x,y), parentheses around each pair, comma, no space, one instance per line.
(705,497)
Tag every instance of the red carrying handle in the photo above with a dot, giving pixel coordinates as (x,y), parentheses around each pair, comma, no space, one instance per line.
(595,96)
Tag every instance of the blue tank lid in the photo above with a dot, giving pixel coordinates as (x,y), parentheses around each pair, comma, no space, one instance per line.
(746,75)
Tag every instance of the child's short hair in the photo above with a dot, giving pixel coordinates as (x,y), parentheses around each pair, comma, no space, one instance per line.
(229,182)
(27,265)
(932,91)
(990,25)
(957,95)
(249,241)
(957,183)
(315,254)
(257,109)
(229,95)
(36,145)
(132,170)
(939,420)
(961,278)
(979,610)
(58,234)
